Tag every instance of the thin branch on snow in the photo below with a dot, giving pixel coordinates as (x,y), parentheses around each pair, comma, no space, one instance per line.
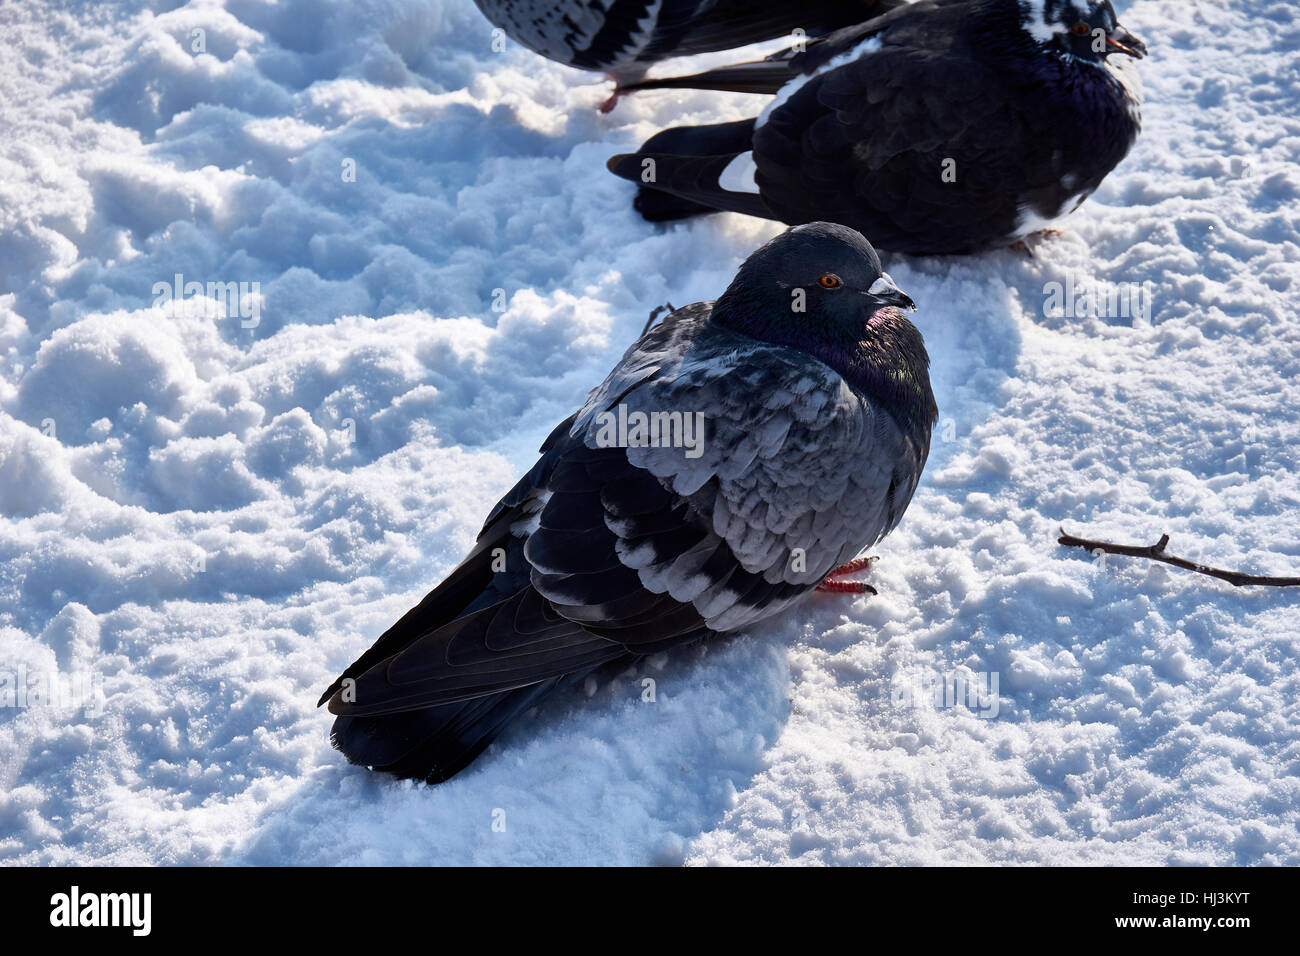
(1156,552)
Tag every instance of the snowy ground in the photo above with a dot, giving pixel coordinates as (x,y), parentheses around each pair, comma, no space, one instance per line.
(204,520)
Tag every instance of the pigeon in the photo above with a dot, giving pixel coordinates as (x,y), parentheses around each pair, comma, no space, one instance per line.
(623,37)
(945,126)
(738,455)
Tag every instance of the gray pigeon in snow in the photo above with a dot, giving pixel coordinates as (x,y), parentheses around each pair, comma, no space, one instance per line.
(623,37)
(944,126)
(736,459)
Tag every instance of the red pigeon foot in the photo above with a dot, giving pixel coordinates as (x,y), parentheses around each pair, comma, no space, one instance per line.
(832,586)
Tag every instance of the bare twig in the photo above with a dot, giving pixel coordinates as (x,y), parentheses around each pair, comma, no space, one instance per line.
(659,310)
(1156,552)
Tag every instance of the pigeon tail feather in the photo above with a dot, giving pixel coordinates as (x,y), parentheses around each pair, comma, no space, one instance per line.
(435,743)
(679,171)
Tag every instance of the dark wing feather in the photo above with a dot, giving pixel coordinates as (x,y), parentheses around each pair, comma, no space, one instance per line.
(769,75)
(734,23)
(687,164)
(435,743)
(472,584)
(866,143)
(756,76)
(582,607)
(626,35)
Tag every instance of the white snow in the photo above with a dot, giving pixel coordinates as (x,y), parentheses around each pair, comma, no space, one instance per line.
(204,518)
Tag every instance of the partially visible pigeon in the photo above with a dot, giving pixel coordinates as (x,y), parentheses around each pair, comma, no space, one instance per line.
(946,126)
(785,429)
(623,37)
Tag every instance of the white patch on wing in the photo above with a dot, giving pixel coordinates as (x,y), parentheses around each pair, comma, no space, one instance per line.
(869,45)
(738,177)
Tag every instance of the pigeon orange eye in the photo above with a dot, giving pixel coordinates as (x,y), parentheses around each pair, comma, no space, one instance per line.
(1080,29)
(830,281)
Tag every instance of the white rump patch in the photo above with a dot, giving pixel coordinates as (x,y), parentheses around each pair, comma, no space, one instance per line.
(738,177)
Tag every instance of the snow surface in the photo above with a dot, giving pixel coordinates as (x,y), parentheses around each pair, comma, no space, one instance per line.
(208,521)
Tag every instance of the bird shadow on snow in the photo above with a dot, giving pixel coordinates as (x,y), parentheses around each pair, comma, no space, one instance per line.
(626,770)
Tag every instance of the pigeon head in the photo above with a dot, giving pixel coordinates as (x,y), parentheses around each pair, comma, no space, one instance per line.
(816,281)
(1083,29)
(819,288)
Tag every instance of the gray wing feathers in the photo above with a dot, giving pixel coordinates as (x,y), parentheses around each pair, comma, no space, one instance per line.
(796,472)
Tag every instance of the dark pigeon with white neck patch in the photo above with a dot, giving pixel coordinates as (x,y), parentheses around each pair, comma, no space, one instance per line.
(814,392)
(946,126)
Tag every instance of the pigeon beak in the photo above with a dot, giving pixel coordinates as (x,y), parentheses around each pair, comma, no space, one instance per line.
(1120,40)
(885,290)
